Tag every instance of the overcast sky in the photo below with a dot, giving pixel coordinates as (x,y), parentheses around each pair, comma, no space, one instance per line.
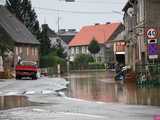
(78,14)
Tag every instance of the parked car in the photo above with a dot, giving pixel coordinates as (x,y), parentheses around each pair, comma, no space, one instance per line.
(27,69)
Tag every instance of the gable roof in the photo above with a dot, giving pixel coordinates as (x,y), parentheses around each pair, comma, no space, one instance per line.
(15,29)
(101,32)
(119,37)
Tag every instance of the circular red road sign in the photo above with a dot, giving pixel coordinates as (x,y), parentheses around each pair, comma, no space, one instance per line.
(151,33)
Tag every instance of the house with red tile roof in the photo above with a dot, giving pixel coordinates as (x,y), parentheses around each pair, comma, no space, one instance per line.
(103,33)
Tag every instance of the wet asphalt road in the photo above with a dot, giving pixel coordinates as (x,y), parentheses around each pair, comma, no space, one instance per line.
(56,106)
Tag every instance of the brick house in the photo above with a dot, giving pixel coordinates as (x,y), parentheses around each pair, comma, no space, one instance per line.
(26,46)
(103,33)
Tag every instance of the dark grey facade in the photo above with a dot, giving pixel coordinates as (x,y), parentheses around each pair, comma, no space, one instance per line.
(67,35)
(26,46)
(146,14)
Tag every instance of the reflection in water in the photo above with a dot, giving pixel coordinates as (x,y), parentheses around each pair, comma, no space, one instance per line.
(7,102)
(100,86)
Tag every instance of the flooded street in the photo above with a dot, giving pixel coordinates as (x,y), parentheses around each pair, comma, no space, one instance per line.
(8,102)
(91,96)
(100,87)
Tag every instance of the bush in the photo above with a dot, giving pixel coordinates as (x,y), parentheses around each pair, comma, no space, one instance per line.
(51,60)
(96,66)
(83,60)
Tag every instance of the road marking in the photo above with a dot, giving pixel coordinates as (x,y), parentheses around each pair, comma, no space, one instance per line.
(81,114)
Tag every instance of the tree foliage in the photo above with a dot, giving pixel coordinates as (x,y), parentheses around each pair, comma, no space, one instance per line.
(51,60)
(50,55)
(94,47)
(45,46)
(83,60)
(60,51)
(6,44)
(25,13)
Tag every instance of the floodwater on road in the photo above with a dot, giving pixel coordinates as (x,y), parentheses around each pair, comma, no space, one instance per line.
(101,87)
(13,101)
(8,102)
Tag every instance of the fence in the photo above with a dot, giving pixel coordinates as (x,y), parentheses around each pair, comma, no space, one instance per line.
(151,71)
(87,67)
(152,68)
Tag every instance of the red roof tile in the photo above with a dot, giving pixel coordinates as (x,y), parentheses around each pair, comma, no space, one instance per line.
(101,33)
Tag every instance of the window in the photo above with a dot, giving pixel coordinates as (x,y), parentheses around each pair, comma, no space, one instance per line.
(16,50)
(32,51)
(20,50)
(72,50)
(27,51)
(83,49)
(35,52)
(77,50)
(87,51)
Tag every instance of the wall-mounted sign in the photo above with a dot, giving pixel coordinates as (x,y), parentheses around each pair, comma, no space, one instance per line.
(151,33)
(151,41)
(152,51)
(153,56)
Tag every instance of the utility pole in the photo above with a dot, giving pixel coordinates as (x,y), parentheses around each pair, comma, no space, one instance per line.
(58,22)
(59,12)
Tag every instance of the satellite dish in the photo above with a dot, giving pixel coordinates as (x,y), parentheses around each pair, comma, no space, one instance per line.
(130,11)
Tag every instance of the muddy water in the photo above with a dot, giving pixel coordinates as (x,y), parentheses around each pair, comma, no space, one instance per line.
(100,86)
(7,102)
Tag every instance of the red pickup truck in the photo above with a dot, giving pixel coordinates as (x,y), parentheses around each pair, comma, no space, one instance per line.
(26,69)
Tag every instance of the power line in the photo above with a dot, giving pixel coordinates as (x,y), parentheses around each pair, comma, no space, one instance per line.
(97,2)
(74,12)
(93,2)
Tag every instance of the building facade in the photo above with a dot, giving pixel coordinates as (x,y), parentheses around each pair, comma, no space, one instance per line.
(139,17)
(25,45)
(67,35)
(102,33)
(119,48)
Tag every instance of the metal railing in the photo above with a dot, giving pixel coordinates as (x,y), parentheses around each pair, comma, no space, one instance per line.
(152,68)
(149,71)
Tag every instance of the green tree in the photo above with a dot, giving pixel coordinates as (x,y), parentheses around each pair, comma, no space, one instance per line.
(51,60)
(14,6)
(94,47)
(25,13)
(82,60)
(60,51)
(6,46)
(45,46)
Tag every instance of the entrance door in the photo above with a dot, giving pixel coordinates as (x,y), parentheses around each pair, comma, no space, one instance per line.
(120,58)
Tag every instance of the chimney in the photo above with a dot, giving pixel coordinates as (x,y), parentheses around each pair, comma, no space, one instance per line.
(71,30)
(62,31)
(108,23)
(97,24)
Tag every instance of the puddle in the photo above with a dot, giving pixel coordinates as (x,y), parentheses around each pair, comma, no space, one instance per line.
(8,102)
(100,86)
